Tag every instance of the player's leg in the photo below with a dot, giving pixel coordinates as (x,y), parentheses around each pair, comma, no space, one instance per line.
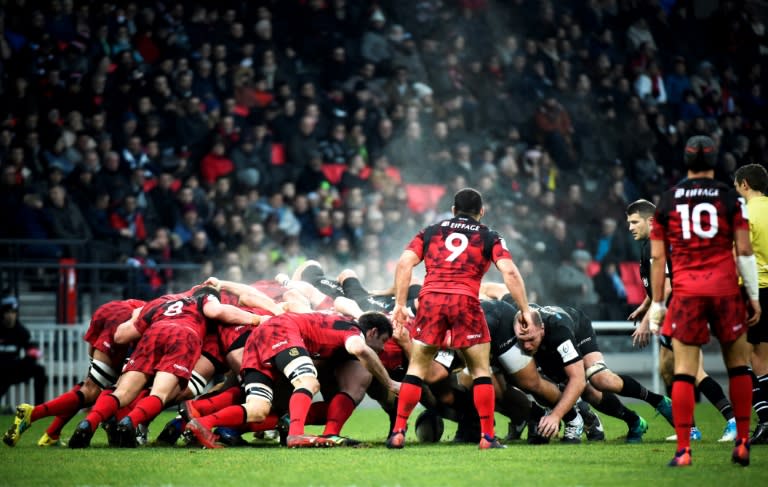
(736,356)
(683,400)
(714,394)
(604,379)
(353,380)
(757,335)
(609,403)
(410,390)
(478,362)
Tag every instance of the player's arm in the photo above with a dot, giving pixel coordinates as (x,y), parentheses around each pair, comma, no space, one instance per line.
(355,345)
(658,281)
(347,307)
(515,285)
(640,310)
(403,273)
(747,264)
(257,299)
(126,331)
(437,371)
(574,388)
(226,313)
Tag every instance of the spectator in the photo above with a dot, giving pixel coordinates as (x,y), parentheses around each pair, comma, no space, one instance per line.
(610,288)
(19,355)
(573,285)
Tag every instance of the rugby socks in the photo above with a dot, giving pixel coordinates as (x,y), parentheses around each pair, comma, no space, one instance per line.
(410,393)
(146,410)
(339,410)
(66,404)
(298,407)
(269,423)
(229,417)
(714,394)
(58,423)
(485,403)
(106,406)
(683,403)
(632,388)
(740,385)
(318,413)
(760,397)
(570,415)
(216,402)
(612,406)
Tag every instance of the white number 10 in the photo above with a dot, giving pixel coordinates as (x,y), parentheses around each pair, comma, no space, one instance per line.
(456,243)
(690,219)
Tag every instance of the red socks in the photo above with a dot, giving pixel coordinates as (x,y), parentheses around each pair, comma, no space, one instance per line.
(230,416)
(66,404)
(106,406)
(740,387)
(410,393)
(485,403)
(146,410)
(339,411)
(298,407)
(683,403)
(217,402)
(269,423)
(318,413)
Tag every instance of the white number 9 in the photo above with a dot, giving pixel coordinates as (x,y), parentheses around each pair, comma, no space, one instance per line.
(455,247)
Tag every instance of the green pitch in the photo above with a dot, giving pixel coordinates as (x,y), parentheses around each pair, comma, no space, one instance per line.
(610,463)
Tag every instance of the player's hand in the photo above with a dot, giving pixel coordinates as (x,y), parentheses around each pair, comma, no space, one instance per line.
(213,282)
(394,387)
(399,315)
(656,316)
(754,318)
(642,335)
(549,425)
(400,334)
(636,314)
(524,319)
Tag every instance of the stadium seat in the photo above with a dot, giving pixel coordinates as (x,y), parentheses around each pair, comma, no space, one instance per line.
(630,276)
(333,172)
(423,197)
(278,154)
(593,268)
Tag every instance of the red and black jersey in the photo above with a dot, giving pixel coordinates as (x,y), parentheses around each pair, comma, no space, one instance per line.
(697,220)
(457,253)
(323,334)
(185,309)
(109,316)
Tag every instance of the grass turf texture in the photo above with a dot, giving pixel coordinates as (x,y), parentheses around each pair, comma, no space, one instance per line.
(609,463)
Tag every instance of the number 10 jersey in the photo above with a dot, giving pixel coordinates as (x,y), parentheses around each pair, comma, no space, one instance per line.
(697,220)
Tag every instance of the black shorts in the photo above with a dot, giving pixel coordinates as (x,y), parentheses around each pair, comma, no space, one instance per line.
(354,290)
(314,275)
(588,344)
(759,332)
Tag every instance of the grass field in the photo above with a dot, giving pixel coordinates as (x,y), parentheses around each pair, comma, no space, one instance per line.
(610,463)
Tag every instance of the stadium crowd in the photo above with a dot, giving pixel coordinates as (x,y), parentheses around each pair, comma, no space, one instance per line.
(251,136)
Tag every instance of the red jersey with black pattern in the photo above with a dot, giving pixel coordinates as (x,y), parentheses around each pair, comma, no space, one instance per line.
(457,253)
(184,309)
(322,333)
(104,322)
(697,220)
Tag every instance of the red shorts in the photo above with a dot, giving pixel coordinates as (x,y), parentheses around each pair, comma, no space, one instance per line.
(689,318)
(392,356)
(212,350)
(267,341)
(454,320)
(101,331)
(167,347)
(229,335)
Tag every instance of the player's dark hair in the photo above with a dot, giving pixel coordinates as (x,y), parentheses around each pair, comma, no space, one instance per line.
(467,201)
(642,207)
(374,319)
(700,153)
(755,175)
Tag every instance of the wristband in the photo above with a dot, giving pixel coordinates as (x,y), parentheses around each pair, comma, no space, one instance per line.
(747,265)
(657,311)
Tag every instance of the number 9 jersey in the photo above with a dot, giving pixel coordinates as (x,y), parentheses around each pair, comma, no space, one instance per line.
(697,220)
(457,253)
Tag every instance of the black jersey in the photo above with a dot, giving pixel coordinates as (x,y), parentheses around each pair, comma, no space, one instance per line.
(568,336)
(500,317)
(645,266)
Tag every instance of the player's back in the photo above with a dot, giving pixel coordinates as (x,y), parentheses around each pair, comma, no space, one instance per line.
(697,220)
(457,253)
(114,312)
(185,309)
(323,333)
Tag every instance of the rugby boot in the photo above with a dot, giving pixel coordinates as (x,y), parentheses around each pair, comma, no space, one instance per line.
(488,442)
(573,430)
(110,428)
(665,409)
(695,435)
(202,434)
(740,453)
(515,431)
(729,433)
(636,432)
(46,440)
(21,423)
(682,458)
(126,433)
(396,440)
(187,411)
(343,441)
(760,435)
(81,438)
(171,432)
(308,441)
(230,436)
